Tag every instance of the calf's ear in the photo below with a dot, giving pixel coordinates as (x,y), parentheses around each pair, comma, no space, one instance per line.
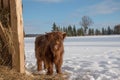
(64,35)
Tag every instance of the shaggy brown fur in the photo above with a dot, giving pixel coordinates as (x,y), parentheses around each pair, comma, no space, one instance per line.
(49,49)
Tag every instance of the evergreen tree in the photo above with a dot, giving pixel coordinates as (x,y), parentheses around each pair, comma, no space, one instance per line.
(93,32)
(70,32)
(64,29)
(97,32)
(103,31)
(74,31)
(112,31)
(90,31)
(54,27)
(106,32)
(109,30)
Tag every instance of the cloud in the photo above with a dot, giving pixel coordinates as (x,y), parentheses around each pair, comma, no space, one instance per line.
(106,7)
(103,8)
(50,1)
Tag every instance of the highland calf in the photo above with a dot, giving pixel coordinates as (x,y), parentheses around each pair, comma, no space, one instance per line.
(49,49)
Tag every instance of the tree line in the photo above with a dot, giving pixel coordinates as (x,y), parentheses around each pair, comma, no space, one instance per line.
(85,22)
(73,31)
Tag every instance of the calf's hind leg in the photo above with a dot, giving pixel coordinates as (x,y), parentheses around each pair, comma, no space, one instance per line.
(50,68)
(39,64)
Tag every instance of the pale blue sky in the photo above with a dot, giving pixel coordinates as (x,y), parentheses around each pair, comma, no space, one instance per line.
(39,15)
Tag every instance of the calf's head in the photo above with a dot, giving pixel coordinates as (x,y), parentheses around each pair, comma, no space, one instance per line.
(56,42)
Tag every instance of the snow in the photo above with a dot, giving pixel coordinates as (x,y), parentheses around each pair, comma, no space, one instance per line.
(85,58)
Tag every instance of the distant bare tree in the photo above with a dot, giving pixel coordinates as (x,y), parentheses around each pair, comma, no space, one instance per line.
(85,22)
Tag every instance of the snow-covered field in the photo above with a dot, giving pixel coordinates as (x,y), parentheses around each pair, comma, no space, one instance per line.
(85,58)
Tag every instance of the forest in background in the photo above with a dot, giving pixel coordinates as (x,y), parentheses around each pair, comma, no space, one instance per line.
(73,31)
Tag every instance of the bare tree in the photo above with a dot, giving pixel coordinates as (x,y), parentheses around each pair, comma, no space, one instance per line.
(85,22)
